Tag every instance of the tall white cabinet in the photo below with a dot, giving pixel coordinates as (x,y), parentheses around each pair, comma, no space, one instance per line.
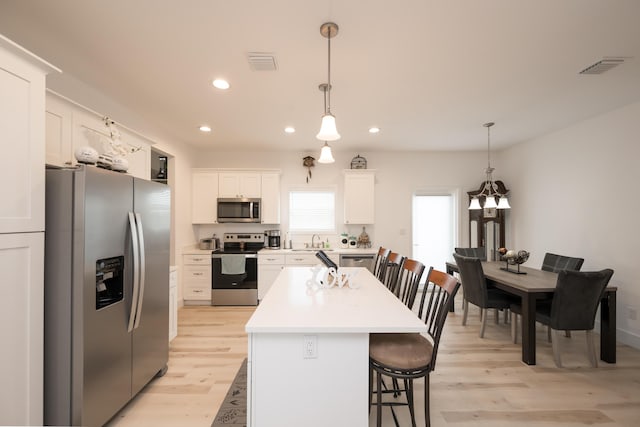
(22,128)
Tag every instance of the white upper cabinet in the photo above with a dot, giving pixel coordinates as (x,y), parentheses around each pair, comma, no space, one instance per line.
(22,123)
(89,129)
(70,126)
(59,149)
(359,197)
(239,184)
(270,198)
(207,185)
(204,197)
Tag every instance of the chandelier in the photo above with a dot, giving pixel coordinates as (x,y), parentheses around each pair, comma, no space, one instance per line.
(495,195)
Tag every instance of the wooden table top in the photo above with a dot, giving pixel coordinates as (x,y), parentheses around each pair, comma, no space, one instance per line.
(534,281)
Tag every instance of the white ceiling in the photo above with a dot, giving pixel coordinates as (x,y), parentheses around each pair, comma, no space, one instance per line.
(429,73)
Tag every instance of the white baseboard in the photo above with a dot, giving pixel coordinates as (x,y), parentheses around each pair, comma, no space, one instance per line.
(628,338)
(623,336)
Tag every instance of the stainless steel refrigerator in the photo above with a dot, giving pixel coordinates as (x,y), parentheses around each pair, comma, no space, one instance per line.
(106,292)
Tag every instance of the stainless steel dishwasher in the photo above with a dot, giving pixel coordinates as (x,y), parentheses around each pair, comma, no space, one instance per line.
(357,260)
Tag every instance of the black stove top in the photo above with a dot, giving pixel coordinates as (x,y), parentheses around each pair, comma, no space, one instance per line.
(241,243)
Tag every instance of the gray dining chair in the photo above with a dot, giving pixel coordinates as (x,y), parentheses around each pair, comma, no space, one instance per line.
(472,252)
(556,263)
(476,291)
(573,307)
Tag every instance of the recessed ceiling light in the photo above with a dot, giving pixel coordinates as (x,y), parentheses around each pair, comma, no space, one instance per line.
(205,128)
(221,84)
(374,130)
(289,129)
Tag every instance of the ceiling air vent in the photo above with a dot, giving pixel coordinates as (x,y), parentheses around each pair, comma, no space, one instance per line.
(603,65)
(261,61)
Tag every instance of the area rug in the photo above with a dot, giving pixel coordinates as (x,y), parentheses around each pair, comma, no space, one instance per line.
(233,411)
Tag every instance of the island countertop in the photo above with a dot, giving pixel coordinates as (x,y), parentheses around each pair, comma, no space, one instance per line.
(291,306)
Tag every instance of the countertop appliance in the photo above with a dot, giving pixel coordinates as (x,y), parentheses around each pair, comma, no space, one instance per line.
(357,260)
(239,210)
(209,243)
(272,240)
(106,286)
(234,269)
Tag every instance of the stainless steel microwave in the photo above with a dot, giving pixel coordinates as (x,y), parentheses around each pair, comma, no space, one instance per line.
(239,210)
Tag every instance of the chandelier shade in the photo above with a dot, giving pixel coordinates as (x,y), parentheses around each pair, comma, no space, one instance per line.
(504,203)
(475,204)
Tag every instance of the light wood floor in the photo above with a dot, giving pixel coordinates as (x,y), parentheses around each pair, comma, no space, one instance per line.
(477,382)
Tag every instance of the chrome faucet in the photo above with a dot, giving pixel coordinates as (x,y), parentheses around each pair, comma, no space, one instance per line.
(313,239)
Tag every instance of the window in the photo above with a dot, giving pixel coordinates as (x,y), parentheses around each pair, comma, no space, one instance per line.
(312,211)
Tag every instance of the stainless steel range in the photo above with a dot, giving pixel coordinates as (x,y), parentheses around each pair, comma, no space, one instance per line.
(234,269)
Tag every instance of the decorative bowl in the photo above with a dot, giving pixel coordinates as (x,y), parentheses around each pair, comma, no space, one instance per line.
(517,258)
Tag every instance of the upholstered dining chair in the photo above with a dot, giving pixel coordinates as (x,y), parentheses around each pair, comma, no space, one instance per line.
(476,291)
(472,252)
(380,262)
(408,357)
(573,308)
(392,270)
(556,263)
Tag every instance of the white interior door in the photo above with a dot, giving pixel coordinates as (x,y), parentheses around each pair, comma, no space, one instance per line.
(434,229)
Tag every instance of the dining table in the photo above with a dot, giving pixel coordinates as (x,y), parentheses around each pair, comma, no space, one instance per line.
(532,285)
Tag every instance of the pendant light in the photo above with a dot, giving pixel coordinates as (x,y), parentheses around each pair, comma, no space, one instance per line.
(328,130)
(490,189)
(325,154)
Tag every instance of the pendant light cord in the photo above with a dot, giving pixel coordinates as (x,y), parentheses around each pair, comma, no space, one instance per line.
(489,144)
(328,106)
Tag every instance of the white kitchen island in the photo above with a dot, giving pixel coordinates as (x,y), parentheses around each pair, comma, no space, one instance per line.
(309,349)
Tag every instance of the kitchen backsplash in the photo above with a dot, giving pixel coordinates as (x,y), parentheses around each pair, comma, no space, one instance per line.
(298,239)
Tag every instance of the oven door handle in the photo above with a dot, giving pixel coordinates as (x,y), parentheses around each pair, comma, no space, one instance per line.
(217,256)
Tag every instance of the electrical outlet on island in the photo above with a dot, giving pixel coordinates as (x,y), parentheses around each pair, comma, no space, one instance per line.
(310,347)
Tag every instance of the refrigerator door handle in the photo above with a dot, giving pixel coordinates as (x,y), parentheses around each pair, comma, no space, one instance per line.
(142,270)
(136,268)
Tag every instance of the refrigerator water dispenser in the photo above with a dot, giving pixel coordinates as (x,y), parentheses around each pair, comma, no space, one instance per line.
(109,281)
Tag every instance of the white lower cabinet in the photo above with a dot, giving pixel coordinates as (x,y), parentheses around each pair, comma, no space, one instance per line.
(197,278)
(173,303)
(270,264)
(22,314)
(308,259)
